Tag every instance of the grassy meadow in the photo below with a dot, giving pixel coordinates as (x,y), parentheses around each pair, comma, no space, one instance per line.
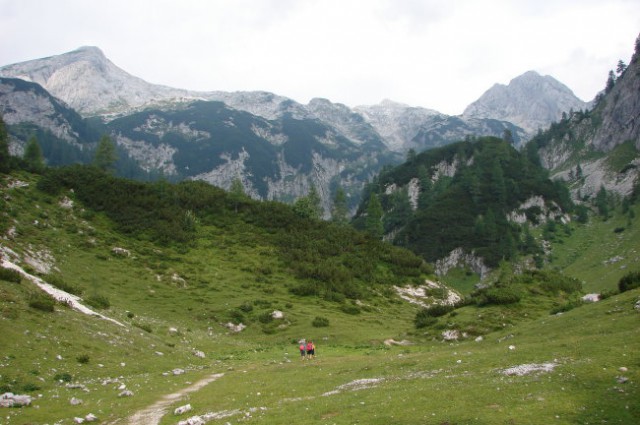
(176,302)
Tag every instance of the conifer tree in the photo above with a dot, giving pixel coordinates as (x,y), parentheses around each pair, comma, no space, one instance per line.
(33,155)
(374,217)
(340,210)
(4,147)
(106,155)
(309,206)
(236,192)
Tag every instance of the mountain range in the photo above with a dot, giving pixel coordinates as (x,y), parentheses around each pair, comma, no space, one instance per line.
(276,146)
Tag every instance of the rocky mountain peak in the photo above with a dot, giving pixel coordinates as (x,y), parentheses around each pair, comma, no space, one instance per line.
(531,101)
(89,82)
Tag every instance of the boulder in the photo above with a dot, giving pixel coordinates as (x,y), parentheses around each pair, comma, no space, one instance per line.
(194,420)
(14,400)
(120,252)
(591,298)
(182,409)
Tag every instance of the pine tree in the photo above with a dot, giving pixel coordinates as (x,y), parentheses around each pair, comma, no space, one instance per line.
(106,156)
(236,192)
(621,67)
(611,82)
(374,217)
(340,210)
(309,206)
(507,136)
(33,156)
(4,147)
(602,203)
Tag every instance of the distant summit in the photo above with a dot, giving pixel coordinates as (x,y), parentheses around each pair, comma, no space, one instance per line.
(530,101)
(90,83)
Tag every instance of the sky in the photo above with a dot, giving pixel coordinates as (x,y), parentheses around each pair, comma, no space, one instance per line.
(437,54)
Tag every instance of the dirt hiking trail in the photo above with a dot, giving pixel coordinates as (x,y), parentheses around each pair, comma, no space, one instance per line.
(152,414)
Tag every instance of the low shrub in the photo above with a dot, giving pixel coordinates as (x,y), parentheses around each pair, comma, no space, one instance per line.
(30,387)
(423,319)
(350,309)
(246,307)
(10,275)
(42,303)
(629,281)
(144,327)
(83,358)
(265,317)
(320,322)
(437,310)
(58,282)
(566,306)
(499,296)
(98,301)
(63,377)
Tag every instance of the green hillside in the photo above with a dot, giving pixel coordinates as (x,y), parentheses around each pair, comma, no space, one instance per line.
(468,205)
(176,264)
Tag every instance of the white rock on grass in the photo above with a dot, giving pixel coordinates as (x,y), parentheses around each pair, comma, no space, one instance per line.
(525,369)
(126,393)
(91,417)
(75,401)
(591,298)
(450,335)
(14,400)
(194,420)
(182,409)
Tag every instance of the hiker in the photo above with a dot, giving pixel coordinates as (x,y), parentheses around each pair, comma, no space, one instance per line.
(311,350)
(303,351)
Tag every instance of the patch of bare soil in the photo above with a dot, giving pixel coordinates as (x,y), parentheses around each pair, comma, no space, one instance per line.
(152,414)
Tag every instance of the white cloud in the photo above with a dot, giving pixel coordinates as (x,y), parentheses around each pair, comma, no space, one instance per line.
(434,53)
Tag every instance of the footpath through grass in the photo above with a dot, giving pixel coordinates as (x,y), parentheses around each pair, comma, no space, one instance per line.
(584,350)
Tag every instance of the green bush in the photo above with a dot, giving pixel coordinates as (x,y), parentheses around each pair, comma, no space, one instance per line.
(567,306)
(30,387)
(500,296)
(350,309)
(629,281)
(144,327)
(423,319)
(64,377)
(42,303)
(58,282)
(320,322)
(246,307)
(98,301)
(437,310)
(265,317)
(10,275)
(83,358)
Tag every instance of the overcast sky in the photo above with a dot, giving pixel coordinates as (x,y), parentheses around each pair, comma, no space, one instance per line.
(439,54)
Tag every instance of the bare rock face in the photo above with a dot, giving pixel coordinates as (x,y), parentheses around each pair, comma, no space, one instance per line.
(621,111)
(530,101)
(614,121)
